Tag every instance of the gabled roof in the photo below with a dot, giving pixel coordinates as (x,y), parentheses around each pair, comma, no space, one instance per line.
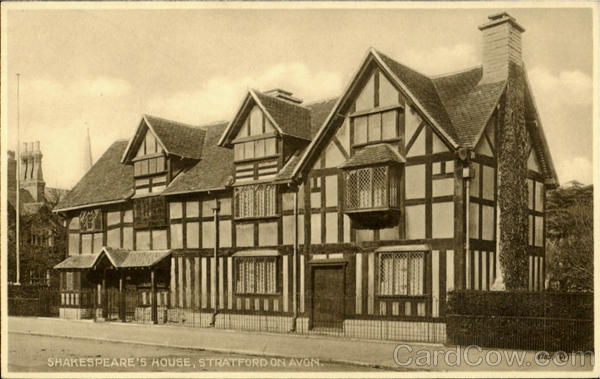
(78,262)
(174,137)
(538,136)
(292,119)
(287,117)
(468,104)
(424,92)
(212,172)
(373,154)
(107,181)
(121,258)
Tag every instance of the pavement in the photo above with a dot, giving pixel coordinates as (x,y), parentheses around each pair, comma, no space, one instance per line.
(397,356)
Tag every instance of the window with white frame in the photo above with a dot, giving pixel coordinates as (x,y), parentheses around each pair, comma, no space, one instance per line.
(255,201)
(402,273)
(255,275)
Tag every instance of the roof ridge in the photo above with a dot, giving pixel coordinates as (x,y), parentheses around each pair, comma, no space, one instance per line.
(435,90)
(403,64)
(280,99)
(172,121)
(461,71)
(321,101)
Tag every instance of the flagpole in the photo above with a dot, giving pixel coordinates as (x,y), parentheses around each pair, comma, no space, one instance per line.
(18,252)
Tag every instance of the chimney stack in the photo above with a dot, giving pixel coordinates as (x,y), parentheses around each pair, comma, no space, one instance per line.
(501,46)
(283,95)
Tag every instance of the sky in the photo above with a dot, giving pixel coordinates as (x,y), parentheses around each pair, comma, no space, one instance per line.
(101,69)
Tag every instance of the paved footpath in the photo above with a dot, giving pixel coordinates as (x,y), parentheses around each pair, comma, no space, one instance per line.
(381,354)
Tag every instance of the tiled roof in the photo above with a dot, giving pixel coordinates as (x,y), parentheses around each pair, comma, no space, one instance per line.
(213,171)
(292,119)
(86,261)
(288,168)
(468,104)
(423,89)
(127,258)
(318,113)
(373,154)
(178,138)
(107,180)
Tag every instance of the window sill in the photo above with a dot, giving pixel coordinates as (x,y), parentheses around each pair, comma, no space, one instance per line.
(403,297)
(376,110)
(258,294)
(252,160)
(363,144)
(378,209)
(241,219)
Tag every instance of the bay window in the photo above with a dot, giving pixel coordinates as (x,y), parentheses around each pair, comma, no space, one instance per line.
(371,187)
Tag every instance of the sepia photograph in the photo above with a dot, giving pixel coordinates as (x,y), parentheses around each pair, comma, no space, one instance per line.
(305,189)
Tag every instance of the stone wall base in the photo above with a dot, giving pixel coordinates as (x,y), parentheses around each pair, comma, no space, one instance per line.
(144,315)
(415,331)
(76,313)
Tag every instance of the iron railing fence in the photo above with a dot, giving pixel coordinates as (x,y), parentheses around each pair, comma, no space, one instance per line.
(328,316)
(42,301)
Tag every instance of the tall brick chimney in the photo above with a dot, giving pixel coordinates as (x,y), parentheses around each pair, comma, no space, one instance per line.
(501,45)
(32,176)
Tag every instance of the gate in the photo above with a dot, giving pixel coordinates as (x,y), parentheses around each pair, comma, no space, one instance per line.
(120,305)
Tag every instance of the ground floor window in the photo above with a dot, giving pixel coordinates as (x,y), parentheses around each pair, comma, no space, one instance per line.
(255,275)
(402,273)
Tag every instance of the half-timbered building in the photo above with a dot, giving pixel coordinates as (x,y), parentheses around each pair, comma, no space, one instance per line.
(348,213)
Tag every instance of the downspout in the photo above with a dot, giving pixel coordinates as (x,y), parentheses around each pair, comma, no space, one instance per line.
(295,264)
(467,175)
(215,282)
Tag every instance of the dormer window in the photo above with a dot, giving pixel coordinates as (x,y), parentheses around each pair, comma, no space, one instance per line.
(149,167)
(258,148)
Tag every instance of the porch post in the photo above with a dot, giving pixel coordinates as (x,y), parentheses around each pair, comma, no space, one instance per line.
(104,297)
(121,298)
(153,301)
(215,282)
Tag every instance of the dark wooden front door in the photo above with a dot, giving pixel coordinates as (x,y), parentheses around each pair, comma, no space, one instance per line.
(328,297)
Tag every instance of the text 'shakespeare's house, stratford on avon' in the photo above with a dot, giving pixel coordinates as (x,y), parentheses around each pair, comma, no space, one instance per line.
(354,215)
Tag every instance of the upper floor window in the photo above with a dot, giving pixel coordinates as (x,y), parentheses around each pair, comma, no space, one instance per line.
(371,187)
(402,273)
(375,127)
(149,166)
(257,148)
(255,201)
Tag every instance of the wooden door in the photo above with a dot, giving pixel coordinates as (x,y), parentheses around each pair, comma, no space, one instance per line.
(328,296)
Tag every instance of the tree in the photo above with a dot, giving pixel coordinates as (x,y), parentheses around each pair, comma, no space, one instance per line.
(570,237)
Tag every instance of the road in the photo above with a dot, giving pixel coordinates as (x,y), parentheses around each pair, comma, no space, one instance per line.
(30,353)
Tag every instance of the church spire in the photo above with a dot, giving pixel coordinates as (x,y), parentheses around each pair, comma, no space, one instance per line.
(88,151)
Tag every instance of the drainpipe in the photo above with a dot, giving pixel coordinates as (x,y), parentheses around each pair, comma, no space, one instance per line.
(295,263)
(467,175)
(215,283)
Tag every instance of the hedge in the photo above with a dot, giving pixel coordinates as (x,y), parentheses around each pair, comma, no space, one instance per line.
(549,321)
(572,305)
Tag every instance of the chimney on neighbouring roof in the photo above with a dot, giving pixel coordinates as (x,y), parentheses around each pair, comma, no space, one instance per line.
(501,45)
(284,95)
